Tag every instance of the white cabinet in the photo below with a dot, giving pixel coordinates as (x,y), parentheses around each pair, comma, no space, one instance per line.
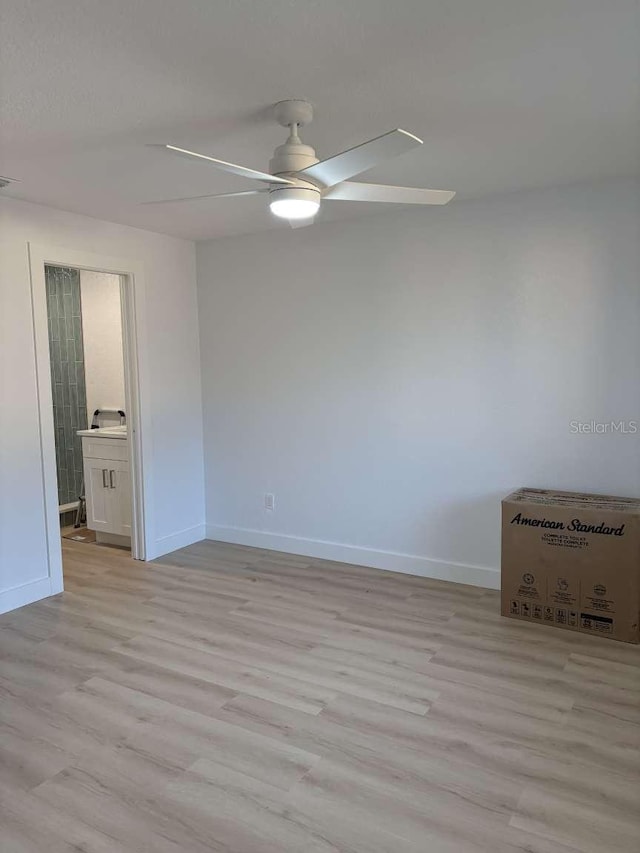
(121,498)
(107,485)
(98,494)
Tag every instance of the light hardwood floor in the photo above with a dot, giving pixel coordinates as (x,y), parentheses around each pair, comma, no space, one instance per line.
(238,700)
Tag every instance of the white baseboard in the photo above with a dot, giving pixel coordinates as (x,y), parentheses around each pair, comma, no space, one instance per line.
(27,593)
(484,576)
(167,544)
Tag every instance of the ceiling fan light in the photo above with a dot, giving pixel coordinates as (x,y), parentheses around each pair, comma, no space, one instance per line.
(294,202)
(294,208)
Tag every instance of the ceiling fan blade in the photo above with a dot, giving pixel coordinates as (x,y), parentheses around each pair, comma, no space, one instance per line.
(198,197)
(230,167)
(355,191)
(301,223)
(362,157)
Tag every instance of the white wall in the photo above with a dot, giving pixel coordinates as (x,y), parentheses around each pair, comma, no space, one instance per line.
(102,341)
(391,378)
(169,361)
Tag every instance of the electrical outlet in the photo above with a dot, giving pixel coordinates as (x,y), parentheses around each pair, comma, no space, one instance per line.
(269,501)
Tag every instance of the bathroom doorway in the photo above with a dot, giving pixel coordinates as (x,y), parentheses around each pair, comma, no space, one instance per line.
(84,318)
(89,400)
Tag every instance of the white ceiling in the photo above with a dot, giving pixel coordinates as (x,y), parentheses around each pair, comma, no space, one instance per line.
(507,94)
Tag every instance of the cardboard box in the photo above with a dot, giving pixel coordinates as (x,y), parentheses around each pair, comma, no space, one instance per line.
(572,561)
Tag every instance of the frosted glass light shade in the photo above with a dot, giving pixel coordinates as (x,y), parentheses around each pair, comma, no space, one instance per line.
(294,208)
(294,202)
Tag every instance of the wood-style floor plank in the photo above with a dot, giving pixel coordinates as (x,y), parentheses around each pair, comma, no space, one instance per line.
(232,699)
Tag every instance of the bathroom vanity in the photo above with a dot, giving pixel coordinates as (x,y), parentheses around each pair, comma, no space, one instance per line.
(107,484)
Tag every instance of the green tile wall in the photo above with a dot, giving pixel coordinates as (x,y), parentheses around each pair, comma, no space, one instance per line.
(67,376)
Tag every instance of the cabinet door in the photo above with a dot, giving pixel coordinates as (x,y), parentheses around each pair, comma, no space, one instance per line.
(120,498)
(98,494)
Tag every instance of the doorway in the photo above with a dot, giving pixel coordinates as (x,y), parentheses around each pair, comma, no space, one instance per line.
(84,317)
(89,401)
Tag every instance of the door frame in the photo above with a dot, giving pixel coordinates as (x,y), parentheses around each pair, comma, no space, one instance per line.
(138,417)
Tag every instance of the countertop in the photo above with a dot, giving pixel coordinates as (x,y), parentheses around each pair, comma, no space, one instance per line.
(119,432)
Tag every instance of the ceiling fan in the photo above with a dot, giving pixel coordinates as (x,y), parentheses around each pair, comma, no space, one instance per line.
(298,181)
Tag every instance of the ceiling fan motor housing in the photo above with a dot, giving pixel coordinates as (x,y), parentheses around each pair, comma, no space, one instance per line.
(292,156)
